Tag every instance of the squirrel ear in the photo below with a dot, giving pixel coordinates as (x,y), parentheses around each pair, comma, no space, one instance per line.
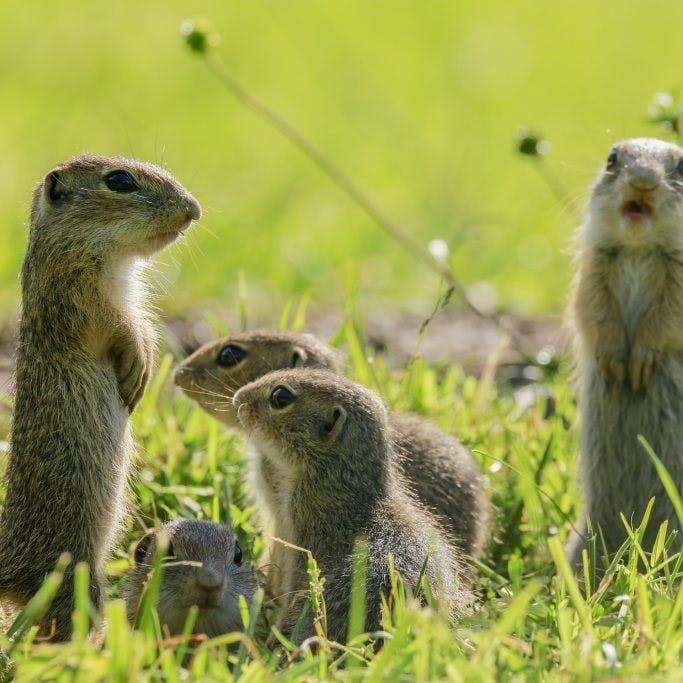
(55,189)
(141,547)
(332,429)
(299,357)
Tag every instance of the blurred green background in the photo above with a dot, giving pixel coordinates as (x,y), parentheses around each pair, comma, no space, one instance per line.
(419,102)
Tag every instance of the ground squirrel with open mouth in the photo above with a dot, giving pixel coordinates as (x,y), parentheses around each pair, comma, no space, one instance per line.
(627,313)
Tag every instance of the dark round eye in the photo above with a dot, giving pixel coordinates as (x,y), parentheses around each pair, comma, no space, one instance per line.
(170,552)
(237,559)
(612,159)
(679,166)
(231,355)
(281,397)
(120,181)
(141,548)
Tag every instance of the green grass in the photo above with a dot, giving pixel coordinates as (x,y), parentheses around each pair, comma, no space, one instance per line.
(535,621)
(420,105)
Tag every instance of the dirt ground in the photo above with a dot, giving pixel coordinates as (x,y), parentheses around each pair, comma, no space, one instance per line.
(451,336)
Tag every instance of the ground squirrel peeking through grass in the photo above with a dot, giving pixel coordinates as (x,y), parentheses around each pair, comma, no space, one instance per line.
(85,350)
(203,566)
(627,313)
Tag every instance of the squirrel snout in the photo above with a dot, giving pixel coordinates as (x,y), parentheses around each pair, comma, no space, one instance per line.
(644,180)
(194,210)
(643,185)
(209,579)
(243,411)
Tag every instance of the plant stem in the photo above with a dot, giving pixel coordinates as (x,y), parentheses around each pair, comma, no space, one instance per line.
(339,178)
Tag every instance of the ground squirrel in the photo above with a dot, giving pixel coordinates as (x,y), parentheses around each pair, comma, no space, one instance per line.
(203,566)
(627,312)
(439,471)
(85,350)
(328,440)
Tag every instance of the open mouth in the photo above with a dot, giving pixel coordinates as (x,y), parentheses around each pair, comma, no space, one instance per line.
(636,209)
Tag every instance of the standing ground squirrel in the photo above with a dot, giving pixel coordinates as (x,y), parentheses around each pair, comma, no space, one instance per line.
(438,470)
(627,311)
(328,441)
(85,350)
(202,566)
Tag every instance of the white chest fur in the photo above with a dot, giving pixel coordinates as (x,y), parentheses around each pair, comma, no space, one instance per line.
(634,286)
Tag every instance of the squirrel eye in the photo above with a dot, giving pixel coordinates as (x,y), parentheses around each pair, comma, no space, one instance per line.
(170,552)
(141,548)
(679,166)
(281,397)
(612,159)
(237,559)
(231,355)
(120,181)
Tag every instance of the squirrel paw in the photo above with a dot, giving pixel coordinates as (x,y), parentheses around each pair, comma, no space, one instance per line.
(132,373)
(611,366)
(641,364)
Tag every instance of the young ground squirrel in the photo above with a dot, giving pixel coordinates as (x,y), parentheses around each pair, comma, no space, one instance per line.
(627,311)
(202,566)
(438,470)
(85,350)
(327,439)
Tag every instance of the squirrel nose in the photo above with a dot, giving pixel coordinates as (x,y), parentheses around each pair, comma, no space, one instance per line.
(209,579)
(194,211)
(643,185)
(644,180)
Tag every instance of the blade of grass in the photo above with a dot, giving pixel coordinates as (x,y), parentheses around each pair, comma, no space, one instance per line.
(359,577)
(564,570)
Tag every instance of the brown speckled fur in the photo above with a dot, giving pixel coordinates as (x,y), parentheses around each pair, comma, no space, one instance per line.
(436,468)
(85,349)
(331,450)
(627,313)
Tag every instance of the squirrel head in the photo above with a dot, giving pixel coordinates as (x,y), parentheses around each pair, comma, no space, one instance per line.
(101,208)
(213,373)
(202,565)
(637,199)
(315,422)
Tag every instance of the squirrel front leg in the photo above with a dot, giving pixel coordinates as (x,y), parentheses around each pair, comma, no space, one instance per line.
(132,355)
(598,318)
